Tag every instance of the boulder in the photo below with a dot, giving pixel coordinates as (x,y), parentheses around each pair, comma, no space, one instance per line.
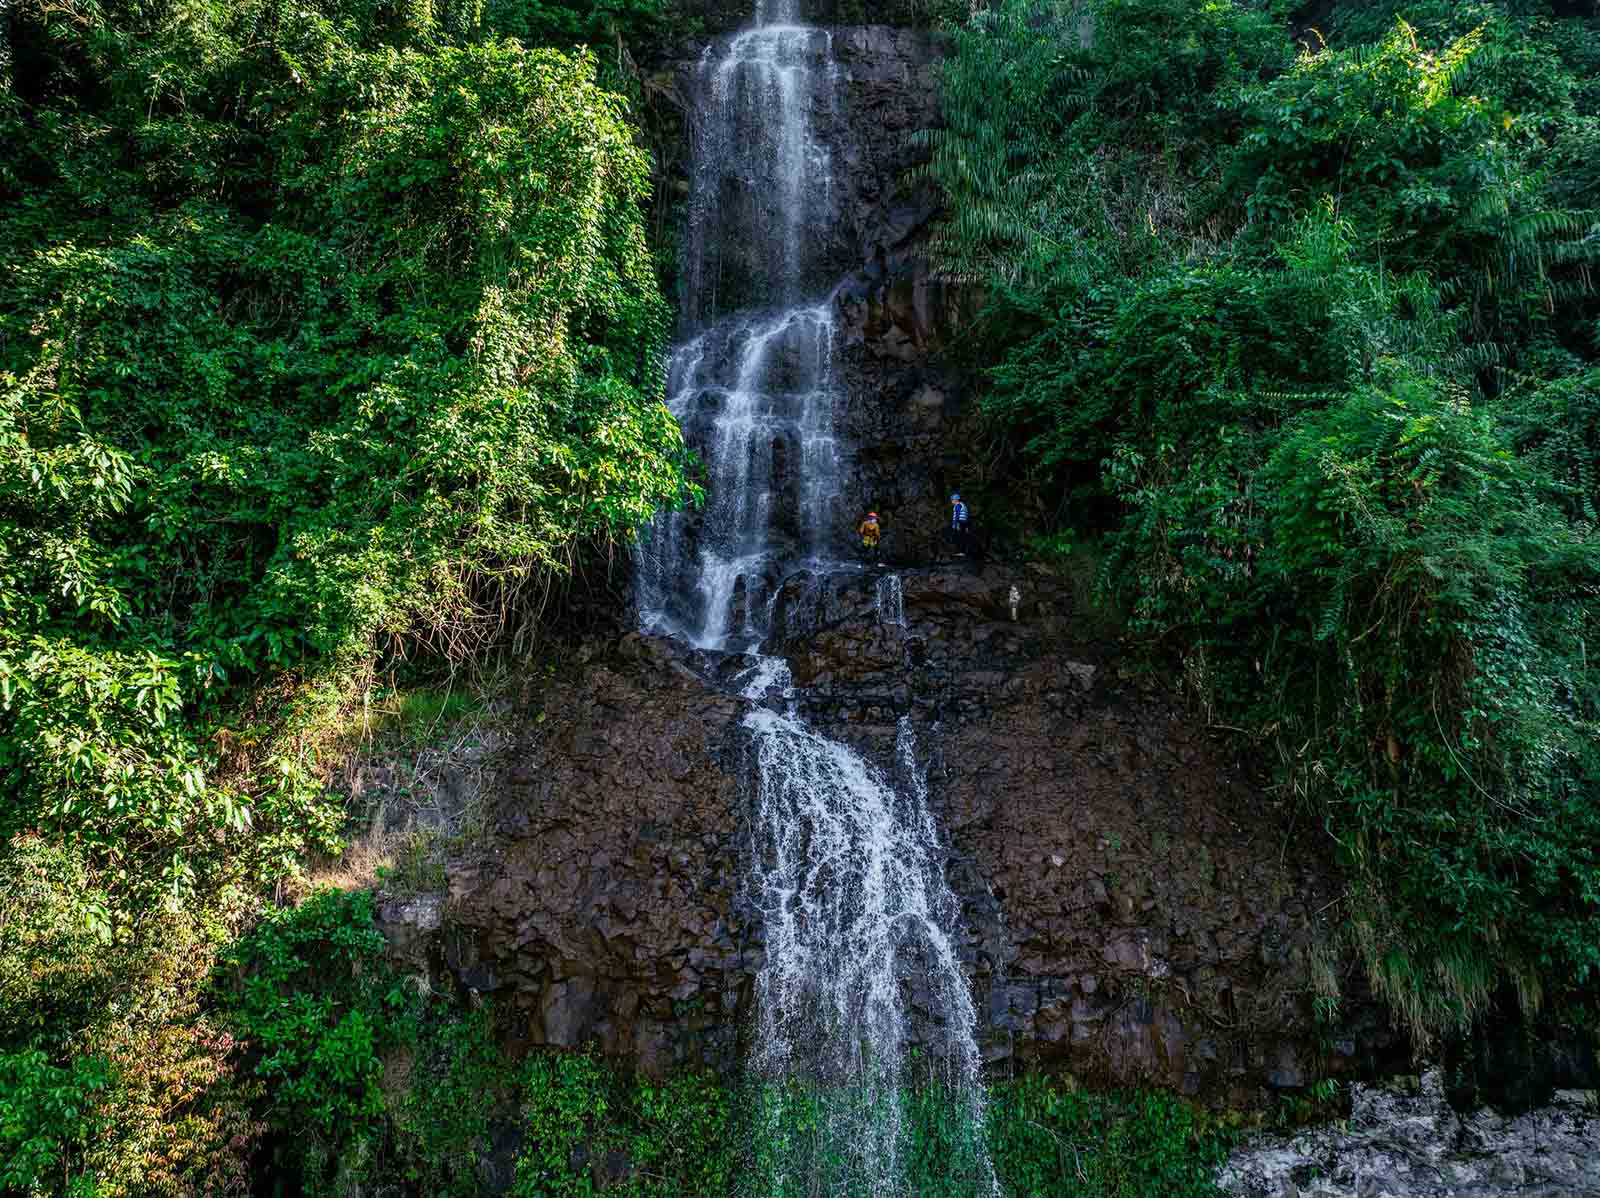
(1405,1141)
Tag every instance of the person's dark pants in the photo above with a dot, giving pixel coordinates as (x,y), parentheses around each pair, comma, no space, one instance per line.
(960,539)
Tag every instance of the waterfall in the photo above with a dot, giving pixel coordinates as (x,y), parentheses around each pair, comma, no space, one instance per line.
(891,601)
(847,873)
(863,1009)
(754,382)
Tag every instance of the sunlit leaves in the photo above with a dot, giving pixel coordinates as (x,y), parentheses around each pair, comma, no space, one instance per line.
(1327,398)
(315,328)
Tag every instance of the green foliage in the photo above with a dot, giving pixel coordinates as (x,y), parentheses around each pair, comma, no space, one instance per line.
(366,1083)
(316,1005)
(593,1130)
(1309,347)
(54,935)
(671,1139)
(576,22)
(46,1112)
(1062,143)
(328,337)
(1048,1140)
(1462,722)
(1430,152)
(925,13)
(566,1104)
(442,1125)
(319,331)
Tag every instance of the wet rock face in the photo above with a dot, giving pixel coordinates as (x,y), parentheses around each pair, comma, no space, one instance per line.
(1134,909)
(1138,908)
(896,314)
(605,911)
(1401,1144)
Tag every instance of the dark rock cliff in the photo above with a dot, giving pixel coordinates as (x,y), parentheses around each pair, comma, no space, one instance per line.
(1136,908)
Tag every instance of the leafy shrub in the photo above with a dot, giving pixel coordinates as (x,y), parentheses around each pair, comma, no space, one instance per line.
(1329,409)
(442,1126)
(585,1120)
(576,22)
(1050,1139)
(114,1080)
(310,996)
(176,1120)
(318,332)
(55,939)
(47,1116)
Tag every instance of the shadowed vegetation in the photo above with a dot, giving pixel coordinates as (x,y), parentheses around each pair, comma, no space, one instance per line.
(1307,339)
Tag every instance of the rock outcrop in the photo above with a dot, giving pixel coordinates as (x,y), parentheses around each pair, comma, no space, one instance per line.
(1140,908)
(604,911)
(1135,909)
(1409,1143)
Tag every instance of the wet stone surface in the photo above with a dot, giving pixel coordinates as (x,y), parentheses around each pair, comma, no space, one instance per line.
(1133,908)
(1408,1143)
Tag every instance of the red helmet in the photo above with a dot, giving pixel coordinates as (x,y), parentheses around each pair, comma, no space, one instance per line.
(872,515)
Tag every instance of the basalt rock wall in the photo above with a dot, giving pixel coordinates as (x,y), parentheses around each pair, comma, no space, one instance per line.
(1139,905)
(1135,908)
(905,415)
(1135,905)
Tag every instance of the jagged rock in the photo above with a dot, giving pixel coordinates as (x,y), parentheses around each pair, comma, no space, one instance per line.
(1411,1144)
(606,906)
(1129,924)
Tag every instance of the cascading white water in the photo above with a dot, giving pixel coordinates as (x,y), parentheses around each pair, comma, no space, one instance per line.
(755,386)
(891,600)
(848,878)
(846,864)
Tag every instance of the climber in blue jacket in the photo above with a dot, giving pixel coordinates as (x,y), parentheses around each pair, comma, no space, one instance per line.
(959,522)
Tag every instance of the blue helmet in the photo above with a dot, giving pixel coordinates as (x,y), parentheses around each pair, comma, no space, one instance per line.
(954,498)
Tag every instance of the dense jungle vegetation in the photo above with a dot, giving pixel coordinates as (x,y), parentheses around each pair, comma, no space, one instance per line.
(329,336)
(330,342)
(1303,335)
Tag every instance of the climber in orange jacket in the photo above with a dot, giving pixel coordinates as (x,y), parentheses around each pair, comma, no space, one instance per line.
(870,531)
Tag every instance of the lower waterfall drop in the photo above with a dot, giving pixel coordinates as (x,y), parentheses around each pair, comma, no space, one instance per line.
(847,872)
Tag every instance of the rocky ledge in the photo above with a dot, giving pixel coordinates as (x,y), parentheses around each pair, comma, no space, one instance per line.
(1407,1142)
(1137,909)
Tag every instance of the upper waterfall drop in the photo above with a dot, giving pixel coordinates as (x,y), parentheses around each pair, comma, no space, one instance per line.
(754,384)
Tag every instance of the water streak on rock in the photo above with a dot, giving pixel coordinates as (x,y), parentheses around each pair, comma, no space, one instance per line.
(846,865)
(891,601)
